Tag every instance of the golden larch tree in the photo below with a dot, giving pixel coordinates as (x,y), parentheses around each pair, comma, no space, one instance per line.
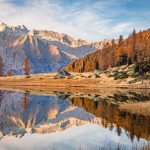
(10,72)
(26,66)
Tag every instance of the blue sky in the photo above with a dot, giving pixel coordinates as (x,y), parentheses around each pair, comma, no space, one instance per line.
(92,20)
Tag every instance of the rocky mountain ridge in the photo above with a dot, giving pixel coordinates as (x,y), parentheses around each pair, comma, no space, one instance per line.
(46,50)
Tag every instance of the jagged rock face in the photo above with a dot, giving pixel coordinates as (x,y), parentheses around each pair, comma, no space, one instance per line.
(16,30)
(63,38)
(17,42)
(46,50)
(42,56)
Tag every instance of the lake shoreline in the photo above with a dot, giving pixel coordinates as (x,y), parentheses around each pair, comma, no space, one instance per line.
(40,83)
(65,83)
(122,77)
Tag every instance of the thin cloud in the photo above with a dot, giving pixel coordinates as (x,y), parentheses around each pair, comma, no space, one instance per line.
(89,20)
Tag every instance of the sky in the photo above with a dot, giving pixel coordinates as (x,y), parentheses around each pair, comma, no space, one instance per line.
(91,20)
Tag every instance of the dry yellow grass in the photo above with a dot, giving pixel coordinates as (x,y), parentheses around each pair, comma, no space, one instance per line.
(76,80)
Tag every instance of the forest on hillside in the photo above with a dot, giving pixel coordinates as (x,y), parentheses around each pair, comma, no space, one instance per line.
(134,49)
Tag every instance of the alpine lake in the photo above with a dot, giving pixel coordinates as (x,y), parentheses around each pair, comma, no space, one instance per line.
(107,119)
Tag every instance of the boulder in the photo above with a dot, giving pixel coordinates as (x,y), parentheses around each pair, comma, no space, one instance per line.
(62,74)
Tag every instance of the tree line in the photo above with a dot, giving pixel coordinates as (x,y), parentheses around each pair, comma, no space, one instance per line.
(133,50)
(25,67)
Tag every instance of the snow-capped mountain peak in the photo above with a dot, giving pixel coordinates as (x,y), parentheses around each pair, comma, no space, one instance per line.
(19,29)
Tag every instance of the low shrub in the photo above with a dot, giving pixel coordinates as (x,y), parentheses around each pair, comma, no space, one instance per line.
(146,77)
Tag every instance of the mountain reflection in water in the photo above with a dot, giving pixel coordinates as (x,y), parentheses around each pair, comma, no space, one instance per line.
(71,121)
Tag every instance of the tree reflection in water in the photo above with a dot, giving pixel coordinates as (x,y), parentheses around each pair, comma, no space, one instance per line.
(112,116)
(25,100)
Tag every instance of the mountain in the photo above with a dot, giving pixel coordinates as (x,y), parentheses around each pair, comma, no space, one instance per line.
(46,50)
(134,49)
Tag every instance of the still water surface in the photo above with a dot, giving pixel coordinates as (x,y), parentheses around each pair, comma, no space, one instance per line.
(68,121)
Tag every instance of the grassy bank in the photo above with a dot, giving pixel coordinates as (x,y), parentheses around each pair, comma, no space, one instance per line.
(122,77)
